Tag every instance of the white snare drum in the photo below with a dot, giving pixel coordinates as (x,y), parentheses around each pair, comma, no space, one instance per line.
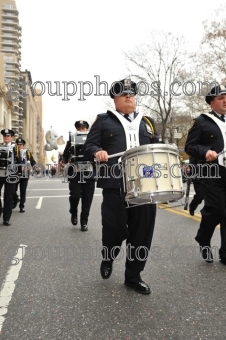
(77,141)
(23,155)
(5,159)
(152,174)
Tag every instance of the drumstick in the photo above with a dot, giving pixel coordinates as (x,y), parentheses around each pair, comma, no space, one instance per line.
(220,153)
(116,154)
(113,155)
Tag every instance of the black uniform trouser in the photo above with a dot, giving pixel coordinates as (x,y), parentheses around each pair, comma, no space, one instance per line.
(9,191)
(214,211)
(140,221)
(23,182)
(84,191)
(199,194)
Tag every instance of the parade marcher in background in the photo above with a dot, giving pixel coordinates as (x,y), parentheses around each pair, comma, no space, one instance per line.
(106,137)
(206,139)
(9,156)
(199,192)
(79,188)
(60,164)
(26,159)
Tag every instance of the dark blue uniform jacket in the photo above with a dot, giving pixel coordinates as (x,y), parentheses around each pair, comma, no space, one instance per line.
(107,133)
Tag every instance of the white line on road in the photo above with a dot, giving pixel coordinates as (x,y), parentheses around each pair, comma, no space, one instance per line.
(9,283)
(46,189)
(56,196)
(39,204)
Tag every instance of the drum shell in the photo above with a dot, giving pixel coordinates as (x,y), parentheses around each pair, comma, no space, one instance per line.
(165,181)
(5,159)
(77,141)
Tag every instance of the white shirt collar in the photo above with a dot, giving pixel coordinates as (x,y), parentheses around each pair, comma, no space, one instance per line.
(219,114)
(131,115)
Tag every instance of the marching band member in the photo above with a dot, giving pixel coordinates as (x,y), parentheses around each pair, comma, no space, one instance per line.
(83,190)
(199,193)
(8,177)
(27,159)
(136,224)
(205,141)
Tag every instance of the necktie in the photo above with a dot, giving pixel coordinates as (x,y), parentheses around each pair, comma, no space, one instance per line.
(126,116)
(222,118)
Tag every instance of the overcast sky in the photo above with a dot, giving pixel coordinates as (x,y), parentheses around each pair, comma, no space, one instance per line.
(75,40)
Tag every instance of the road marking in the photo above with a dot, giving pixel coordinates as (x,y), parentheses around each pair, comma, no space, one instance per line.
(196,217)
(46,189)
(39,204)
(9,283)
(56,196)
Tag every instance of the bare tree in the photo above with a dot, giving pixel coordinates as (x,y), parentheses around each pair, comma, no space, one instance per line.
(156,65)
(207,66)
(214,43)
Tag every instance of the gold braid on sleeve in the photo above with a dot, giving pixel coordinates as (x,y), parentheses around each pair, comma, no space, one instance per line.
(17,151)
(149,124)
(28,155)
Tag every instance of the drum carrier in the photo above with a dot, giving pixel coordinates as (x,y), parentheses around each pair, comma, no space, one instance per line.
(77,140)
(6,158)
(24,170)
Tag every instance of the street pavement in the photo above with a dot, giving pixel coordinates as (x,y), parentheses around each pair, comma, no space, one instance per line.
(51,286)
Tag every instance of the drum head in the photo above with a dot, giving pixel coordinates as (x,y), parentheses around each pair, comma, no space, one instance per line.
(147,148)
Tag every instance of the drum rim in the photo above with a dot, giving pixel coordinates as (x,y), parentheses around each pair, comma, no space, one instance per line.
(155,196)
(142,149)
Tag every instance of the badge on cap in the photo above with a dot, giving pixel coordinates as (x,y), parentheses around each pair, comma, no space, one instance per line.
(127,83)
(6,130)
(81,121)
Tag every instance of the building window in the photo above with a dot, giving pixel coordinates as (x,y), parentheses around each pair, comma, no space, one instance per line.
(6,58)
(8,6)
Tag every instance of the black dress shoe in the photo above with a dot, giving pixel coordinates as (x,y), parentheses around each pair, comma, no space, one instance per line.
(205,251)
(106,270)
(22,210)
(74,220)
(191,211)
(84,227)
(6,223)
(15,203)
(140,287)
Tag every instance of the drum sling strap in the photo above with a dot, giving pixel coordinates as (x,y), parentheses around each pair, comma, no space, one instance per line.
(131,129)
(222,127)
